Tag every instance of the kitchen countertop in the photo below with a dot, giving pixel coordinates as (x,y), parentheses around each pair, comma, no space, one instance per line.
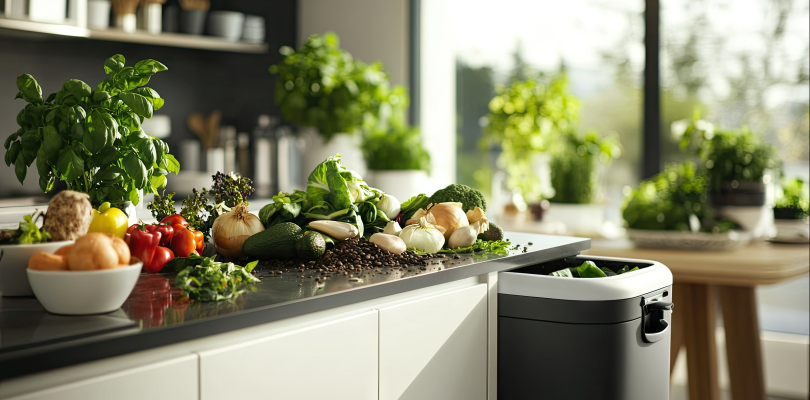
(33,340)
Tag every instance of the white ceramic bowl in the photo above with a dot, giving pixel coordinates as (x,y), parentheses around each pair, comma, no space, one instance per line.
(84,292)
(13,279)
(226,24)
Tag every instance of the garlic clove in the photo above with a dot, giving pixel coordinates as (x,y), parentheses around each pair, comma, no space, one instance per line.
(388,243)
(392,228)
(336,229)
(463,237)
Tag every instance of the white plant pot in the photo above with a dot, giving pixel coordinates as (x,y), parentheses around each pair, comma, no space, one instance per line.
(315,151)
(400,184)
(757,220)
(579,219)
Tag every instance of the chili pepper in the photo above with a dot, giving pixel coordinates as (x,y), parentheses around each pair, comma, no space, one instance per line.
(174,219)
(142,244)
(183,242)
(166,233)
(199,240)
(162,256)
(109,220)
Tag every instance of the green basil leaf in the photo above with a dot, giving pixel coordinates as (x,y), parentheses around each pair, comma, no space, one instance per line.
(29,154)
(80,114)
(108,174)
(69,165)
(9,139)
(13,152)
(30,140)
(46,182)
(50,98)
(78,88)
(146,151)
(139,104)
(150,94)
(51,115)
(106,157)
(20,168)
(114,63)
(101,95)
(149,67)
(31,92)
(158,181)
(42,162)
(96,139)
(135,169)
(133,197)
(171,164)
(52,142)
(77,131)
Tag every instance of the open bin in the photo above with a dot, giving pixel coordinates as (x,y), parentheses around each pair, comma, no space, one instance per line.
(584,338)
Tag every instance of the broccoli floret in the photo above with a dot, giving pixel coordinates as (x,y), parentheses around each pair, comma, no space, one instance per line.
(467,196)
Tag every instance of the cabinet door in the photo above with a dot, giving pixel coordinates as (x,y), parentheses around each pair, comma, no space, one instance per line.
(176,379)
(334,360)
(435,348)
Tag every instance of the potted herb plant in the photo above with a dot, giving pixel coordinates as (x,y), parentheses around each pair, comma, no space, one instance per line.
(324,89)
(736,163)
(91,139)
(791,213)
(523,120)
(573,170)
(398,163)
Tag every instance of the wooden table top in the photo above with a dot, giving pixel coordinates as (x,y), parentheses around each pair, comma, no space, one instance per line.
(761,263)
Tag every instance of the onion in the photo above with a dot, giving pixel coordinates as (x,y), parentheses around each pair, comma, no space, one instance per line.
(448,215)
(389,205)
(423,236)
(232,229)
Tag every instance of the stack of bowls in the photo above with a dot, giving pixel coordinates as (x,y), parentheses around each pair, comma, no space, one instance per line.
(226,24)
(254,29)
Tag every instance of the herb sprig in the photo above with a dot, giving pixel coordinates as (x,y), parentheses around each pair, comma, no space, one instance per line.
(208,280)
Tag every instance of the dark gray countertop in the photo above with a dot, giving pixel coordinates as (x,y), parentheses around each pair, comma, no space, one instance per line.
(33,340)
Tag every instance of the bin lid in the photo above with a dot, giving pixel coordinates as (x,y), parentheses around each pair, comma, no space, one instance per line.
(624,286)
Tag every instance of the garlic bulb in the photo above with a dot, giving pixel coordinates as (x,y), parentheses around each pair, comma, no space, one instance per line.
(464,236)
(388,243)
(423,237)
(476,215)
(389,205)
(392,228)
(450,216)
(232,229)
(336,229)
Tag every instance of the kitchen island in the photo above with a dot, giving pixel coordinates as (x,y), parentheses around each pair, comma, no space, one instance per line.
(388,333)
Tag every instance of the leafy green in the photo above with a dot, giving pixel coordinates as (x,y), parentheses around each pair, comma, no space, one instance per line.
(79,132)
(794,196)
(285,207)
(573,165)
(322,86)
(588,269)
(397,149)
(412,205)
(162,206)
(29,232)
(207,280)
(499,247)
(230,189)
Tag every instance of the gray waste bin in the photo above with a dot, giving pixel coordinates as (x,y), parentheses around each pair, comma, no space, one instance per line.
(584,338)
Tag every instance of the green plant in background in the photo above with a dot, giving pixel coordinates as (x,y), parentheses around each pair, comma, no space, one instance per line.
(322,86)
(397,149)
(675,200)
(92,138)
(523,118)
(573,165)
(731,155)
(794,196)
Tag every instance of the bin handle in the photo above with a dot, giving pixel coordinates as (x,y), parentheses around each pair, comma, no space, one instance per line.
(659,321)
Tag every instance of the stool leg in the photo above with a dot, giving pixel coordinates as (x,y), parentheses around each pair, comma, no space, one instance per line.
(743,344)
(699,339)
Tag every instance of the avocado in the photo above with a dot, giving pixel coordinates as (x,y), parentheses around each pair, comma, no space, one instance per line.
(310,247)
(493,233)
(275,242)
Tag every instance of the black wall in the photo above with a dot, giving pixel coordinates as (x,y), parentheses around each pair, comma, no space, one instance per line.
(197,80)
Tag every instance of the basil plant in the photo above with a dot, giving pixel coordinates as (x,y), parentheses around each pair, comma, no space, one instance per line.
(92,138)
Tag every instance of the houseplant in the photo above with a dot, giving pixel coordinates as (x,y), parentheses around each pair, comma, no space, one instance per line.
(322,87)
(398,163)
(92,138)
(523,119)
(573,165)
(790,213)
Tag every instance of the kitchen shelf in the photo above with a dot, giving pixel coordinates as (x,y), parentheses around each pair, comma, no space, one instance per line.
(114,35)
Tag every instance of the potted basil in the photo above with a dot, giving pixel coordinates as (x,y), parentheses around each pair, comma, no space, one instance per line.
(573,172)
(325,90)
(91,139)
(398,164)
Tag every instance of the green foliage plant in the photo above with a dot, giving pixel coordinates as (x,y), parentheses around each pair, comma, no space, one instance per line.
(675,199)
(92,138)
(523,120)
(730,155)
(573,165)
(322,86)
(397,149)
(794,196)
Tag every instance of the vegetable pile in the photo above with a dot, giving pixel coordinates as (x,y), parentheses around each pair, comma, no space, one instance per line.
(589,270)
(207,280)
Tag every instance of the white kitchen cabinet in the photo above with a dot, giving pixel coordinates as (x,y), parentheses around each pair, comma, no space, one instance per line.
(333,360)
(435,348)
(175,379)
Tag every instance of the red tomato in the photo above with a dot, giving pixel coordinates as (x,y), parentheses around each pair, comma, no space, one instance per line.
(159,260)
(183,242)
(174,219)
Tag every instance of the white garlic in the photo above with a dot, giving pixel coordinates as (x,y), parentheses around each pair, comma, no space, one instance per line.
(336,229)
(464,236)
(388,243)
(392,228)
